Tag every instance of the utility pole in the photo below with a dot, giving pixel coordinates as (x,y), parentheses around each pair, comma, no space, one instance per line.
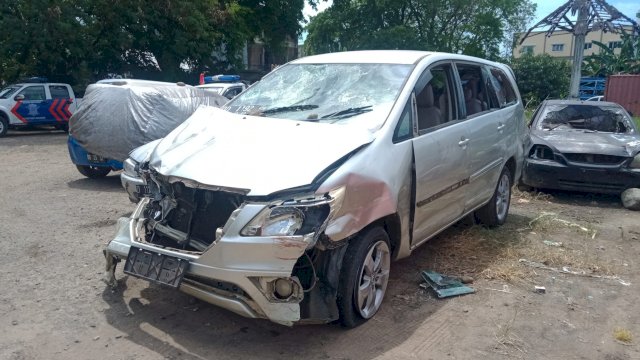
(580,33)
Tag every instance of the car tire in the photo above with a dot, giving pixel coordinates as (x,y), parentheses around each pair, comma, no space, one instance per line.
(93,172)
(364,277)
(4,126)
(495,212)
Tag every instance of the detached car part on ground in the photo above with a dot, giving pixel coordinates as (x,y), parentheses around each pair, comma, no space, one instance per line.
(291,202)
(582,146)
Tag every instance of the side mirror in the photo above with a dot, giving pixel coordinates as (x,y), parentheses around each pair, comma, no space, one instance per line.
(19,97)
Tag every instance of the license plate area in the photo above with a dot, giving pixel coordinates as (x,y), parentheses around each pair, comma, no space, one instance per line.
(155,267)
(143,190)
(96,158)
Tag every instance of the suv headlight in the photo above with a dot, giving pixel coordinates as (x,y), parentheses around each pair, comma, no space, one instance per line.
(130,167)
(298,217)
(635,163)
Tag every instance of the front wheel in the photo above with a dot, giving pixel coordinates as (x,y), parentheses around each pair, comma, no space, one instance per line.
(4,126)
(93,172)
(495,212)
(365,274)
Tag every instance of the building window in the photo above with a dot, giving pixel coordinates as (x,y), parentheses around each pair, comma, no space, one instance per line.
(527,49)
(588,46)
(557,47)
(615,44)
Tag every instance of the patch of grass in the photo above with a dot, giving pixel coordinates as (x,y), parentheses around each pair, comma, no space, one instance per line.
(622,335)
(637,120)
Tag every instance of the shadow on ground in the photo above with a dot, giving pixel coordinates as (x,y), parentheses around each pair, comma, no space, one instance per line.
(110,183)
(198,330)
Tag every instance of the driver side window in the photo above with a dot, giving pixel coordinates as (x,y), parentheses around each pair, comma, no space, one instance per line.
(33,93)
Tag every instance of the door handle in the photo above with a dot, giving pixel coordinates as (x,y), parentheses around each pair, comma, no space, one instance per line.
(500,126)
(463,142)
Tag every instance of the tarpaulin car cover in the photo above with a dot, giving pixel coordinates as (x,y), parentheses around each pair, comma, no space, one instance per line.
(114,119)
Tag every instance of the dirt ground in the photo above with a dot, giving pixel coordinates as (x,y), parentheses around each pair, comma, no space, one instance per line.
(54,305)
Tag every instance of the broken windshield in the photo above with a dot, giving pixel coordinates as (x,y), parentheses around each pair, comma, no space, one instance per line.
(329,93)
(588,118)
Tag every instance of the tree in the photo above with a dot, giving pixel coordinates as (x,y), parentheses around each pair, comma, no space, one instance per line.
(541,76)
(80,41)
(606,62)
(475,28)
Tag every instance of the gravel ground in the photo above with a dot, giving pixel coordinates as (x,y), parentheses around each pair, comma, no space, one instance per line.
(54,305)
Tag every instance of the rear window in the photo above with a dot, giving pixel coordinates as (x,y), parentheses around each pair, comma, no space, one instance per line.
(59,92)
(606,118)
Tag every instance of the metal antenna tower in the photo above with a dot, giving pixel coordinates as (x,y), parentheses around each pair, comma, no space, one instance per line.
(592,15)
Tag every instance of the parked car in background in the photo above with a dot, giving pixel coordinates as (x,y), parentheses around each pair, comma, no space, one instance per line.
(36,102)
(582,146)
(291,202)
(596,98)
(228,86)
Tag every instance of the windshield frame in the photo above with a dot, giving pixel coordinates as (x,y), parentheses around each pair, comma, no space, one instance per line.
(402,87)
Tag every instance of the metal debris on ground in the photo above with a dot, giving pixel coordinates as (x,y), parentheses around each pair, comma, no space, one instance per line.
(553,217)
(445,286)
(540,290)
(567,270)
(552,243)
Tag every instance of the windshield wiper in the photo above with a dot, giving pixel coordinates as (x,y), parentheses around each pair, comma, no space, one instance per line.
(282,109)
(343,114)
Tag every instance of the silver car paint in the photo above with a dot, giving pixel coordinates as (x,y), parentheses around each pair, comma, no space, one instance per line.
(377,180)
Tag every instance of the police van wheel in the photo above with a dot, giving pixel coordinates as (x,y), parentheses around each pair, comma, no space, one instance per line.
(4,126)
(93,172)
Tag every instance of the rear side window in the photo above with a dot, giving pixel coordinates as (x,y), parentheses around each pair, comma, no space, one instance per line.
(502,86)
(474,87)
(59,92)
(33,93)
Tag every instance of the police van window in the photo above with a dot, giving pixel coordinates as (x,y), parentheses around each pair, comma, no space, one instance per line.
(476,98)
(504,91)
(59,92)
(434,103)
(33,93)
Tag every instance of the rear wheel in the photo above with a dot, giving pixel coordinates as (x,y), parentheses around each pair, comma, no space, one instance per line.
(365,274)
(496,210)
(93,172)
(4,126)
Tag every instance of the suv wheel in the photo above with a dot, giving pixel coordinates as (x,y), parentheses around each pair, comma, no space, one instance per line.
(93,172)
(365,274)
(495,212)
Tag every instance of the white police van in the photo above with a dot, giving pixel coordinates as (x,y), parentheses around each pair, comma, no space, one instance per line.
(36,102)
(228,86)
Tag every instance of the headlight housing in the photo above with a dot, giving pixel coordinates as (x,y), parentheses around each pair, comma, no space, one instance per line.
(635,163)
(298,217)
(130,167)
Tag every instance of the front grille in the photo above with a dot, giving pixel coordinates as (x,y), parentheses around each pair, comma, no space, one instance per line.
(592,186)
(187,218)
(596,159)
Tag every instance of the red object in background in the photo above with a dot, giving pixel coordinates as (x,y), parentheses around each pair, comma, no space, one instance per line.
(624,90)
(202,78)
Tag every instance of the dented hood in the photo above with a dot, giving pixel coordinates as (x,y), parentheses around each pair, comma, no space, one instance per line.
(255,155)
(581,142)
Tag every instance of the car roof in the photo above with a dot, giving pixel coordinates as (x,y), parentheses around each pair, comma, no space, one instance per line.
(135,82)
(220,84)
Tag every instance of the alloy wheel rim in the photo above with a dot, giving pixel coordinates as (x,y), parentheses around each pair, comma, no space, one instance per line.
(372,280)
(502,197)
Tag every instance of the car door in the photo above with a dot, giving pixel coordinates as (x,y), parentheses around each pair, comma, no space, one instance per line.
(61,102)
(31,105)
(486,124)
(440,151)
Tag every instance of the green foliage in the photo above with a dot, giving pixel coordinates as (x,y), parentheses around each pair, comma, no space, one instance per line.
(541,76)
(607,62)
(475,28)
(80,41)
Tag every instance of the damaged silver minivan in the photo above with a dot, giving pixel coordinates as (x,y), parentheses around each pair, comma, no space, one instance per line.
(291,202)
